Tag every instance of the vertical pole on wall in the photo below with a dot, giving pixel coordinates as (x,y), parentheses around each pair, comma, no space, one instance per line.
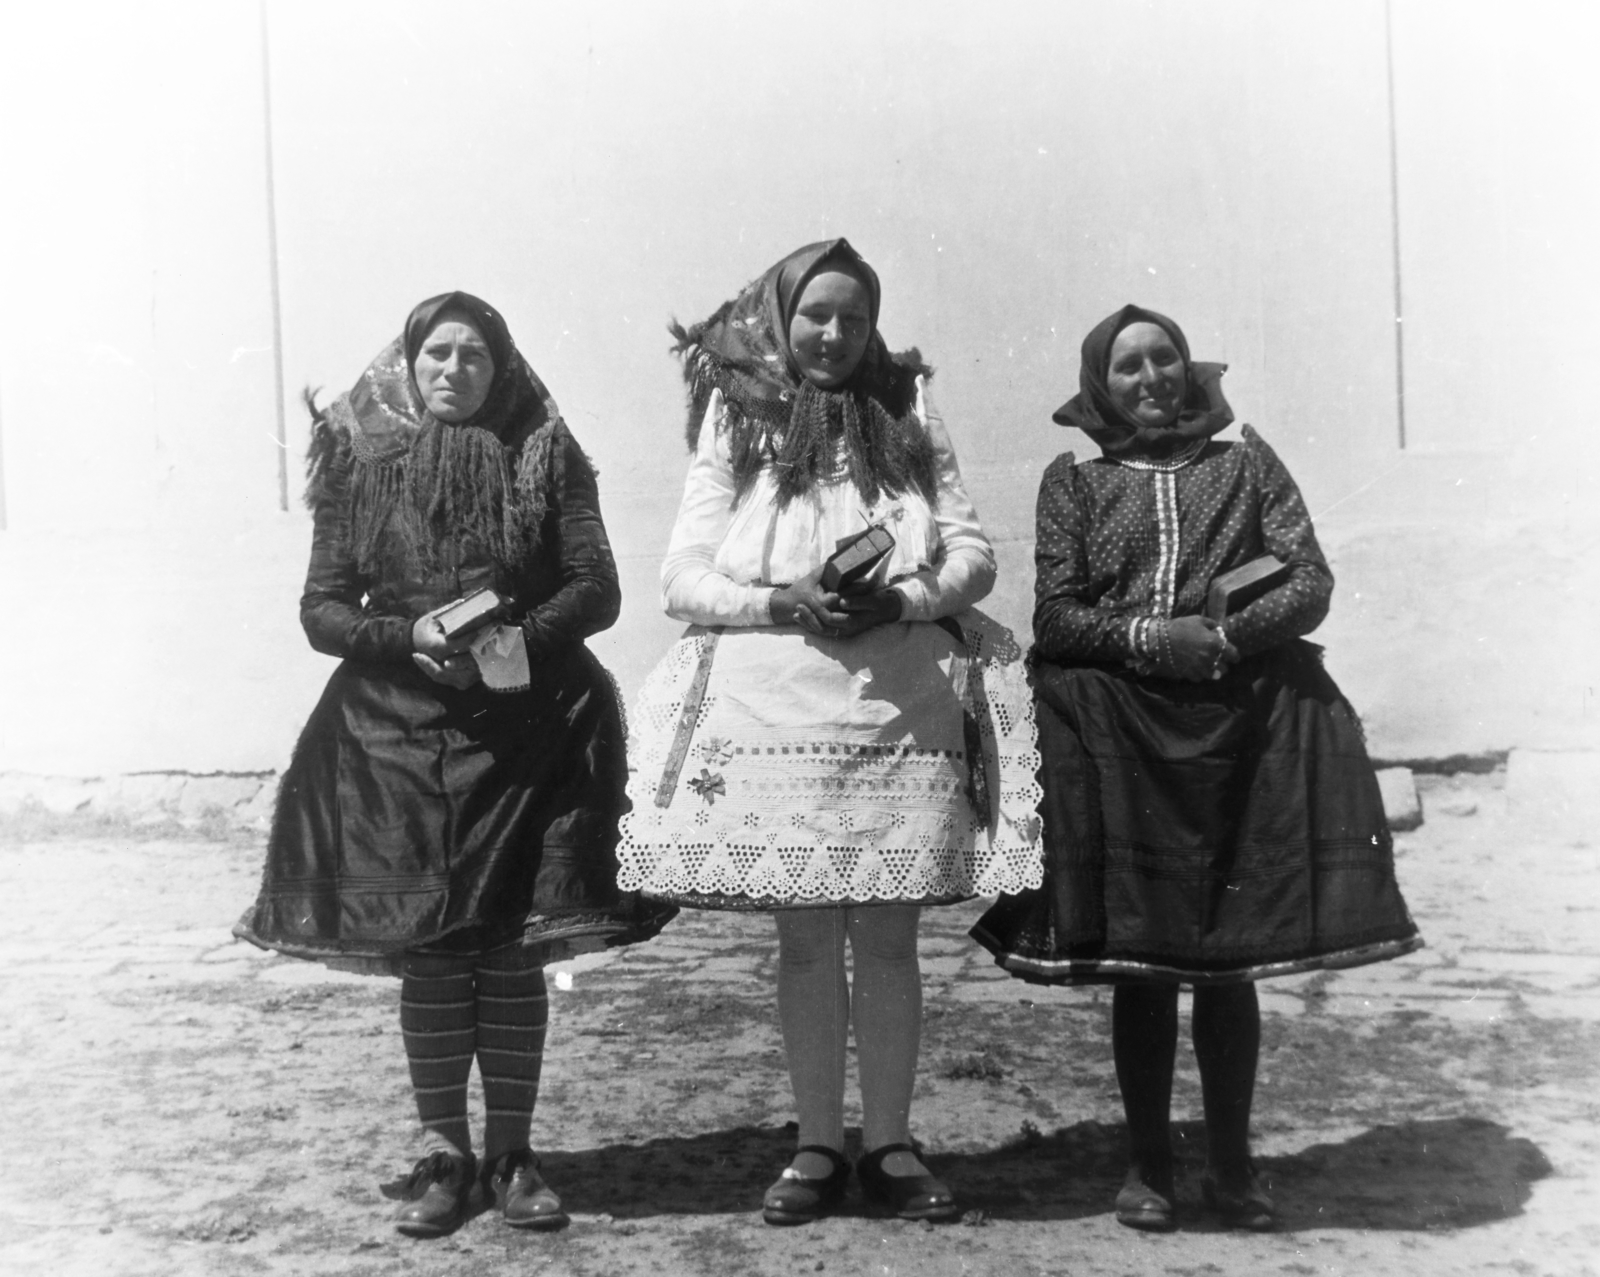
(2,469)
(1394,219)
(281,437)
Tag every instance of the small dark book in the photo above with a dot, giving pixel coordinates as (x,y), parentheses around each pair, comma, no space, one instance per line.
(467,614)
(1233,590)
(853,559)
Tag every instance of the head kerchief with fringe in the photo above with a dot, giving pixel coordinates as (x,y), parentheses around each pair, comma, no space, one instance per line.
(425,493)
(777,418)
(1092,410)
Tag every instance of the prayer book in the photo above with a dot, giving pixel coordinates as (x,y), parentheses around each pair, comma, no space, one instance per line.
(468,614)
(1233,590)
(854,558)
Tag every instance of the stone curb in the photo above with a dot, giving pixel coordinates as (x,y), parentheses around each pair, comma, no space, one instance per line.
(1560,787)
(238,800)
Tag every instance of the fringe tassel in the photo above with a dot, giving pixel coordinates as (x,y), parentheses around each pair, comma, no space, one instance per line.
(886,448)
(455,486)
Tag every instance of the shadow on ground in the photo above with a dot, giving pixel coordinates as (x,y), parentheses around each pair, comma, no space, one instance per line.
(1450,1173)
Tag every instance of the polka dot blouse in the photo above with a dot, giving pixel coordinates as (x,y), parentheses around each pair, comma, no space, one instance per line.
(1117,543)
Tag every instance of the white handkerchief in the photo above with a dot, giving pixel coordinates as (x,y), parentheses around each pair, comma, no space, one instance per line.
(502,656)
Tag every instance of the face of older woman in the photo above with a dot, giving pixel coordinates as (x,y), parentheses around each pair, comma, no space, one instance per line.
(831,327)
(1146,375)
(453,370)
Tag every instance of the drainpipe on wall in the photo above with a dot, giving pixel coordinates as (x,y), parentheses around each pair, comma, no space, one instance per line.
(1394,219)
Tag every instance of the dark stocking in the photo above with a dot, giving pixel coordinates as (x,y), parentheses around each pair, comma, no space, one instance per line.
(1144,1039)
(513,1013)
(438,1020)
(1227,1040)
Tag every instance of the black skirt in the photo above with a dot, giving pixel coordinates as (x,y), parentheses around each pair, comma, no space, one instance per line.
(417,817)
(1203,833)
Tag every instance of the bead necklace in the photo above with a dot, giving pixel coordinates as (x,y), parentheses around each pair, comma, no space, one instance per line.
(1176,461)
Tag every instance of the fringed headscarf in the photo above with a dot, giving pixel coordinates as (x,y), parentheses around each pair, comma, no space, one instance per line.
(779,419)
(424,490)
(1092,410)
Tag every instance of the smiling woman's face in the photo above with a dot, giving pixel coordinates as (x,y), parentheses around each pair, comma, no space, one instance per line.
(1146,375)
(831,327)
(453,370)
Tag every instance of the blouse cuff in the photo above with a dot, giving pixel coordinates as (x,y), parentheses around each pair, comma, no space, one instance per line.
(714,599)
(757,609)
(915,605)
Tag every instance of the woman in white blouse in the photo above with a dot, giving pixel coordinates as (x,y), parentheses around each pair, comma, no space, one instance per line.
(840,757)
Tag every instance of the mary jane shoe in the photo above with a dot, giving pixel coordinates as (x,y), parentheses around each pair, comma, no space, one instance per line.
(924,1196)
(798,1199)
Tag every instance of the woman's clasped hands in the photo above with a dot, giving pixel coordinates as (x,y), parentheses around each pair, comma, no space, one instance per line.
(444,660)
(808,605)
(1195,649)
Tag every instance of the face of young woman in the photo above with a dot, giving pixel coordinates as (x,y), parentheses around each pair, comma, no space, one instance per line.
(1146,375)
(831,328)
(453,370)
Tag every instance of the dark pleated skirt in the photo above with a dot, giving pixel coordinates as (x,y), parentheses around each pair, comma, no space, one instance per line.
(1203,833)
(416,817)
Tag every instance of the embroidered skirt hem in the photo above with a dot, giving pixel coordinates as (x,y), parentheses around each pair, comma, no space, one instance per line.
(768,904)
(1076,971)
(550,939)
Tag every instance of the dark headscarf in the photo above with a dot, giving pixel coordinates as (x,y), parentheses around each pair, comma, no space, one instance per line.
(780,419)
(459,488)
(1204,411)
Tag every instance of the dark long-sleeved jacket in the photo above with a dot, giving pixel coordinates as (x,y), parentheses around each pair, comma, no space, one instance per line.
(566,593)
(1116,543)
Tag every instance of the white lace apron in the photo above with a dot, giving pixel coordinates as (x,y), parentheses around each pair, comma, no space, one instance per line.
(830,771)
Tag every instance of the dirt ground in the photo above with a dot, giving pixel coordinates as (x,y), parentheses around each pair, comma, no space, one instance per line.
(178,1103)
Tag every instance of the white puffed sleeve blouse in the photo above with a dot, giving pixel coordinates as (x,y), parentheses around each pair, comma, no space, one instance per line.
(724,562)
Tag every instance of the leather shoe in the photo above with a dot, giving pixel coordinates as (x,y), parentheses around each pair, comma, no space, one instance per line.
(434,1196)
(924,1196)
(1244,1205)
(799,1199)
(1139,1205)
(513,1184)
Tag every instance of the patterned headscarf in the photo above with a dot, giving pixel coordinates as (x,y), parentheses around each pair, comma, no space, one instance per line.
(458,488)
(779,419)
(1204,411)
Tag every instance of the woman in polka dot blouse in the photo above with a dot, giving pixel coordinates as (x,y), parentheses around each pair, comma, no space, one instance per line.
(1211,817)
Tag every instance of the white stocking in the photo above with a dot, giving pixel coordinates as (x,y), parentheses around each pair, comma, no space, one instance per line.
(814,1011)
(886,1004)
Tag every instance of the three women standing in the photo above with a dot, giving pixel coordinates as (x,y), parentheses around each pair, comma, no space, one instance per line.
(428,826)
(1210,814)
(839,752)
(838,755)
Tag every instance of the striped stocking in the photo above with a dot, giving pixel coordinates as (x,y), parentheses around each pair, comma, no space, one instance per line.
(513,1012)
(438,1015)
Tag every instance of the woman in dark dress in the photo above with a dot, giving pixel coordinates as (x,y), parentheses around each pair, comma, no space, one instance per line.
(450,813)
(1210,814)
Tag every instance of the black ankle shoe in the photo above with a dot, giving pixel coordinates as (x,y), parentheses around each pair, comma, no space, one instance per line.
(924,1196)
(1242,1205)
(434,1196)
(799,1199)
(512,1184)
(1147,1205)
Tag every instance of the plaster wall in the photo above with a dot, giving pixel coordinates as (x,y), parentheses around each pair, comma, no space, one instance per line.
(1015,172)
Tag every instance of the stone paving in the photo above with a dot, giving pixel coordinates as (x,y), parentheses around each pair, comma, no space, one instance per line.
(165,1082)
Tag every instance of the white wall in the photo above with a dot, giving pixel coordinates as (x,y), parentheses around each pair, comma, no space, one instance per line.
(1015,171)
